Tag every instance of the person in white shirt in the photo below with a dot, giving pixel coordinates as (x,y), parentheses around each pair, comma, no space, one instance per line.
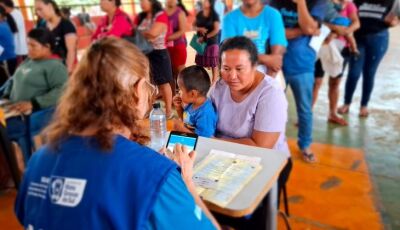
(21,49)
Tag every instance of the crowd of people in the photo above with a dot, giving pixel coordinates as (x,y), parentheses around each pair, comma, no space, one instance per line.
(97,102)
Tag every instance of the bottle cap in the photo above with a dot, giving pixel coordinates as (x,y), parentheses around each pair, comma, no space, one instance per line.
(156,105)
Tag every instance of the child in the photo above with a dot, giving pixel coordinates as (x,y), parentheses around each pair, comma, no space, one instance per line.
(345,8)
(193,107)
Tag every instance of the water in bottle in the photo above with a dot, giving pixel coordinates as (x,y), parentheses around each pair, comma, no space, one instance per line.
(158,127)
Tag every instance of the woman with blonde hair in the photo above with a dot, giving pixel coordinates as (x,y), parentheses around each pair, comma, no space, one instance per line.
(95,172)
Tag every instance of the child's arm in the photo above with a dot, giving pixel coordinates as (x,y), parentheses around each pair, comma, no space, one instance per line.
(355,23)
(180,126)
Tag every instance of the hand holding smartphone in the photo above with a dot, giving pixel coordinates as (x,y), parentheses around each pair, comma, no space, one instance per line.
(189,140)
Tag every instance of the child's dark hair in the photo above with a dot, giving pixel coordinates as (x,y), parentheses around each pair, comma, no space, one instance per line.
(195,78)
(43,36)
(240,43)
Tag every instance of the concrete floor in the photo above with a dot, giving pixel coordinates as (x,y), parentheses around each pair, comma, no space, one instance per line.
(356,182)
(377,136)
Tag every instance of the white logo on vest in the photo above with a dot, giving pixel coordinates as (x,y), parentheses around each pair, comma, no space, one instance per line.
(66,191)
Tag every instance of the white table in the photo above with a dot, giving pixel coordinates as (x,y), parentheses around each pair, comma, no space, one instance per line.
(251,195)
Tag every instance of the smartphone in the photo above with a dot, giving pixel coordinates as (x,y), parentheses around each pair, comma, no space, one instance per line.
(187,139)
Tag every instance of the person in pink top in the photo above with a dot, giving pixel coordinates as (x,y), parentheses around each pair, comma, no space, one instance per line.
(153,23)
(347,10)
(116,23)
(177,13)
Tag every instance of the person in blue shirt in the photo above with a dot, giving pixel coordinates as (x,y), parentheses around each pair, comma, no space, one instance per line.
(196,111)
(7,50)
(219,7)
(302,20)
(95,171)
(264,26)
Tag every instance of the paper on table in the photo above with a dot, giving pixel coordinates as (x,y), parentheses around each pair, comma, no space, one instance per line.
(316,41)
(221,175)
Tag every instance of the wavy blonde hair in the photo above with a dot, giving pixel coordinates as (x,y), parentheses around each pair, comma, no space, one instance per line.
(101,94)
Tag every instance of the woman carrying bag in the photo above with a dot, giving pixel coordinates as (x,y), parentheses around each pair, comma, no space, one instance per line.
(208,27)
(152,22)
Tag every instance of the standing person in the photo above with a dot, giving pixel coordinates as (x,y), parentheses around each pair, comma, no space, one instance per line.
(153,23)
(301,19)
(63,30)
(219,7)
(177,13)
(208,26)
(347,10)
(85,20)
(372,41)
(7,50)
(95,172)
(264,26)
(21,49)
(115,23)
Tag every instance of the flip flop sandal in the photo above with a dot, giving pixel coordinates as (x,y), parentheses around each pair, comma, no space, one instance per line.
(308,157)
(338,121)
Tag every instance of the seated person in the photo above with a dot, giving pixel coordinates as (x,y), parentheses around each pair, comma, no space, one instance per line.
(193,106)
(95,172)
(35,88)
(252,107)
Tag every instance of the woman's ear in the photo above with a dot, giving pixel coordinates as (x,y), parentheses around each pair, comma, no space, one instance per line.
(142,103)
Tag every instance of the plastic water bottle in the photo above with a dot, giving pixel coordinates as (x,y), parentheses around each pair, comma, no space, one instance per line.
(158,127)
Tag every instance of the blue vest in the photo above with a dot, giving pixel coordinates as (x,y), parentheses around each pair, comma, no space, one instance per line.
(77,186)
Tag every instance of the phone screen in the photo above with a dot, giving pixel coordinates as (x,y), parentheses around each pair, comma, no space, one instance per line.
(189,142)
